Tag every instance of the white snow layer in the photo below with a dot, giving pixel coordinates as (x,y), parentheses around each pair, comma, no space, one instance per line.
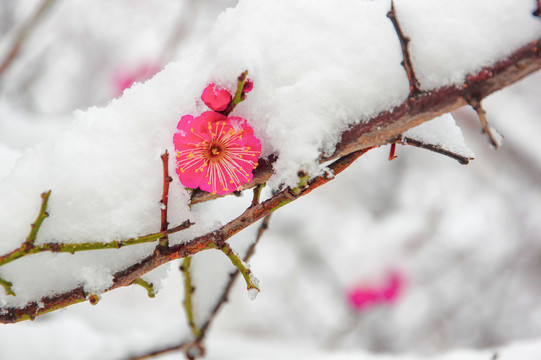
(322,67)
(441,131)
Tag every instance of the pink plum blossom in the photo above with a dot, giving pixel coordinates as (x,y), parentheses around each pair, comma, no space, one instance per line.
(215,153)
(367,296)
(216,98)
(125,77)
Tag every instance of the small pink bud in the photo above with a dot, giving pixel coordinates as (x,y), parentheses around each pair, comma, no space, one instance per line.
(216,98)
(248,86)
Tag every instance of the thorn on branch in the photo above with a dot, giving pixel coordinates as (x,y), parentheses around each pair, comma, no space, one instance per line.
(392,155)
(493,136)
(404,44)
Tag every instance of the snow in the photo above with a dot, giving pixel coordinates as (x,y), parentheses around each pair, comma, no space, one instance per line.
(451,39)
(443,132)
(466,237)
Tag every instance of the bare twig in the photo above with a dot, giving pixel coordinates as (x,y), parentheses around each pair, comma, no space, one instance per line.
(188,292)
(23,34)
(404,42)
(481,113)
(232,277)
(7,287)
(251,282)
(165,198)
(464,160)
(149,287)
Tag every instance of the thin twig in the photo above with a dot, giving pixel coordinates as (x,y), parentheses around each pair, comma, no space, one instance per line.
(464,160)
(7,287)
(149,287)
(188,292)
(404,44)
(251,281)
(239,93)
(23,34)
(34,227)
(232,277)
(481,113)
(87,246)
(165,198)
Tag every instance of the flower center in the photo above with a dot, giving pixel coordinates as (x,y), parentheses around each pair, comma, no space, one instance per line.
(214,150)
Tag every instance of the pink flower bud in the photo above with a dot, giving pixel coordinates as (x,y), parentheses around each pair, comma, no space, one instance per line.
(216,98)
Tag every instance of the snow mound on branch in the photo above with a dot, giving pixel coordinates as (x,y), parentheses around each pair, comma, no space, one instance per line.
(321,68)
(443,132)
(451,39)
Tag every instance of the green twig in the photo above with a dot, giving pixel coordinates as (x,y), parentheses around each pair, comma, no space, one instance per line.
(239,94)
(251,282)
(34,227)
(147,285)
(188,291)
(86,246)
(7,287)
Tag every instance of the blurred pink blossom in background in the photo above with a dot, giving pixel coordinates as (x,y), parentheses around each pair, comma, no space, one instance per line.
(363,297)
(123,78)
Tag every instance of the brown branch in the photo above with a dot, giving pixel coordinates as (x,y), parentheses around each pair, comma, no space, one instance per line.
(23,34)
(161,256)
(464,160)
(164,242)
(537,11)
(388,125)
(404,42)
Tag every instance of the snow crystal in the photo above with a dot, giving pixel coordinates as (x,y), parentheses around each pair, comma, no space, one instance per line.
(441,131)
